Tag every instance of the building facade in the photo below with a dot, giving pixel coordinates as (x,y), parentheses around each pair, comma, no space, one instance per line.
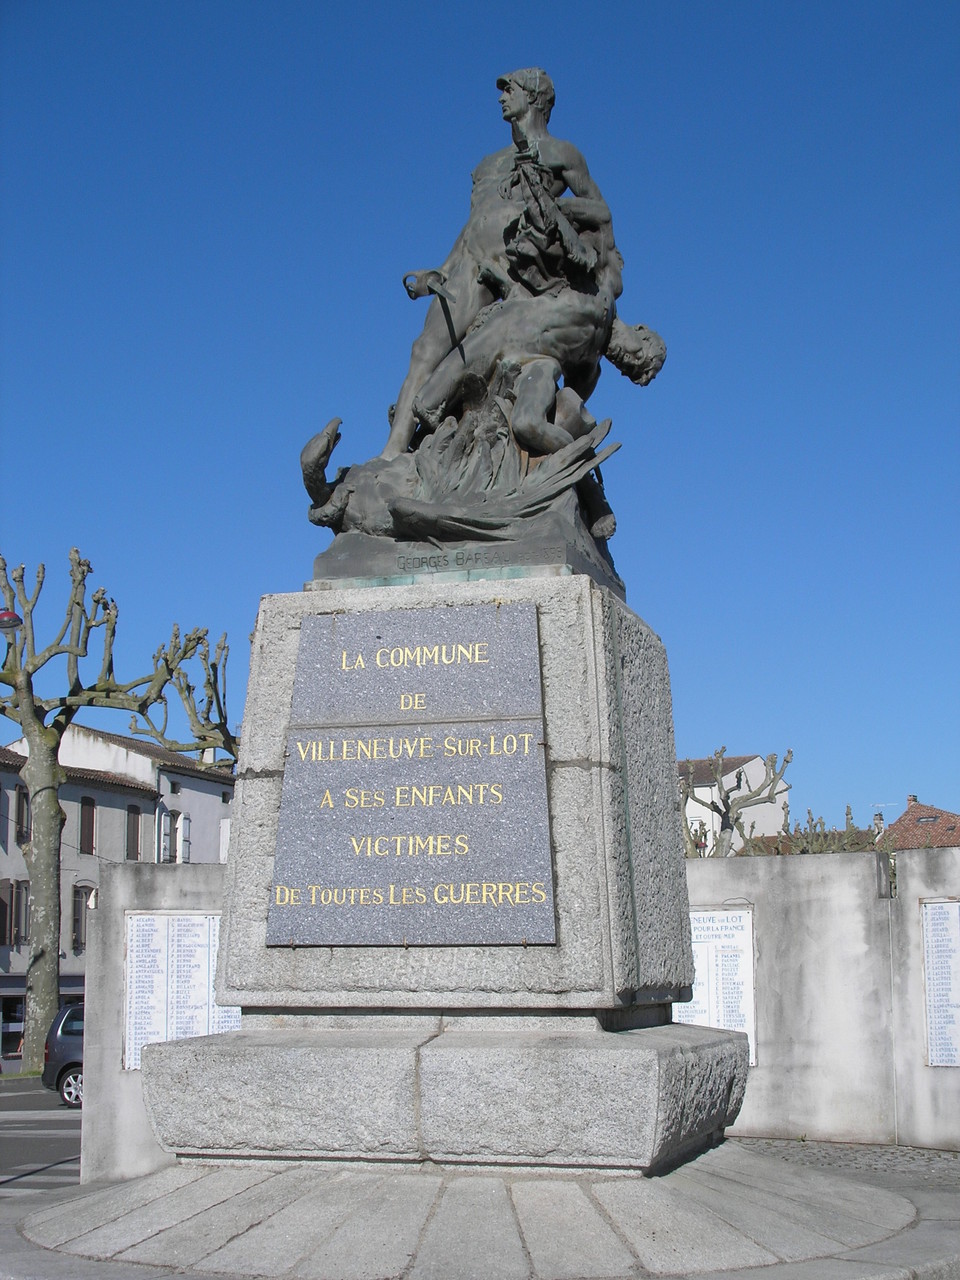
(124,800)
(763,819)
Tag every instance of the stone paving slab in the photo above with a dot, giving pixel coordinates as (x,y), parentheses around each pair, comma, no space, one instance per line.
(928,1242)
(120,1234)
(275,1246)
(70,1219)
(378,1245)
(665,1229)
(472,1235)
(787,1240)
(822,1269)
(565,1233)
(859,1200)
(714,1218)
(182,1245)
(811,1212)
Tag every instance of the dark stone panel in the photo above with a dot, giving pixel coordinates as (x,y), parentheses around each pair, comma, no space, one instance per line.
(414,803)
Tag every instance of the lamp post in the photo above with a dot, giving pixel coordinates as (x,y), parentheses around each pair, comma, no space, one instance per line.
(10,622)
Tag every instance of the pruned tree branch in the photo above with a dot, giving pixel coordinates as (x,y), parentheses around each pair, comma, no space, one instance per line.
(45,720)
(729,802)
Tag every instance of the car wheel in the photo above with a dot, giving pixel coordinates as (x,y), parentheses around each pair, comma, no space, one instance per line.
(71,1087)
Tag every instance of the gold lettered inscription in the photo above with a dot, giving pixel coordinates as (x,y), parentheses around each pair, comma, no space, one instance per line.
(360,750)
(480,893)
(414,801)
(431,846)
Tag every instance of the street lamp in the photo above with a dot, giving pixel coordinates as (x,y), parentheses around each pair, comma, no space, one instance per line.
(9,622)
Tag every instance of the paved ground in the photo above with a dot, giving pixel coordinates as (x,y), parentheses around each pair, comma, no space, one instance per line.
(39,1139)
(894,1166)
(760,1209)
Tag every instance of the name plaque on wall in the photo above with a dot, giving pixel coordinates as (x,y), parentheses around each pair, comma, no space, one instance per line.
(170,962)
(413,809)
(940,921)
(723,989)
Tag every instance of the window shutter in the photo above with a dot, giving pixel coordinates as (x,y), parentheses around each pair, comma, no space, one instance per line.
(80,893)
(21,911)
(23,815)
(133,833)
(6,913)
(88,809)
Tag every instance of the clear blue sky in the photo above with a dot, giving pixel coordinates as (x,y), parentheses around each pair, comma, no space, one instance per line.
(206,211)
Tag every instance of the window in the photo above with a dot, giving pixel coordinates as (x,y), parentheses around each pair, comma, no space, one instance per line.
(72,1024)
(81,896)
(88,810)
(175,839)
(133,833)
(23,814)
(20,922)
(168,844)
(6,913)
(14,912)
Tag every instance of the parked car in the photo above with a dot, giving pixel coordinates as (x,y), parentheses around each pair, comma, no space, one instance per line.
(63,1055)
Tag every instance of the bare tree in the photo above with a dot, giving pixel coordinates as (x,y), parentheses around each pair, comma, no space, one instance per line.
(728,803)
(815,837)
(45,720)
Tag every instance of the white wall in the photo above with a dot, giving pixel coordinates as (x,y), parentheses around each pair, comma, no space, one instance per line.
(839,996)
(86,749)
(202,800)
(116,1139)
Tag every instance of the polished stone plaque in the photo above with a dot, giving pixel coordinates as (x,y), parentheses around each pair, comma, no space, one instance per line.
(414,805)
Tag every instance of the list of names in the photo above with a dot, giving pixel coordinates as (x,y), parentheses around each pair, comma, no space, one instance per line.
(723,989)
(940,921)
(171,958)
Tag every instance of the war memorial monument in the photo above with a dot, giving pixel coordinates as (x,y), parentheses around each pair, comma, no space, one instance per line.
(456,917)
(456,894)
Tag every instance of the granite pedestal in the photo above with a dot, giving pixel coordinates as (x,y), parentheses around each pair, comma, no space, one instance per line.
(456,916)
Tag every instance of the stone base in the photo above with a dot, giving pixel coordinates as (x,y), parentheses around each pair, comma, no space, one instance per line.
(622,920)
(550,549)
(553,1092)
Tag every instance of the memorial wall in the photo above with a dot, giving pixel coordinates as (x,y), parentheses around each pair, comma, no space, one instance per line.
(855,997)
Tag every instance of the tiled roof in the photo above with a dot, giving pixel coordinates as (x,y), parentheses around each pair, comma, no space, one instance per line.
(10,759)
(923,827)
(703,769)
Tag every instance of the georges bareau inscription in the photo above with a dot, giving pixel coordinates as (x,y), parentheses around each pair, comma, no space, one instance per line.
(414,805)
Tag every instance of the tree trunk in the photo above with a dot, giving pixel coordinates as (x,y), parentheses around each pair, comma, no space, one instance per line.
(724,844)
(42,775)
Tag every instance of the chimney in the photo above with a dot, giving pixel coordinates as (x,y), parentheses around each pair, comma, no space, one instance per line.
(911,800)
(878,822)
